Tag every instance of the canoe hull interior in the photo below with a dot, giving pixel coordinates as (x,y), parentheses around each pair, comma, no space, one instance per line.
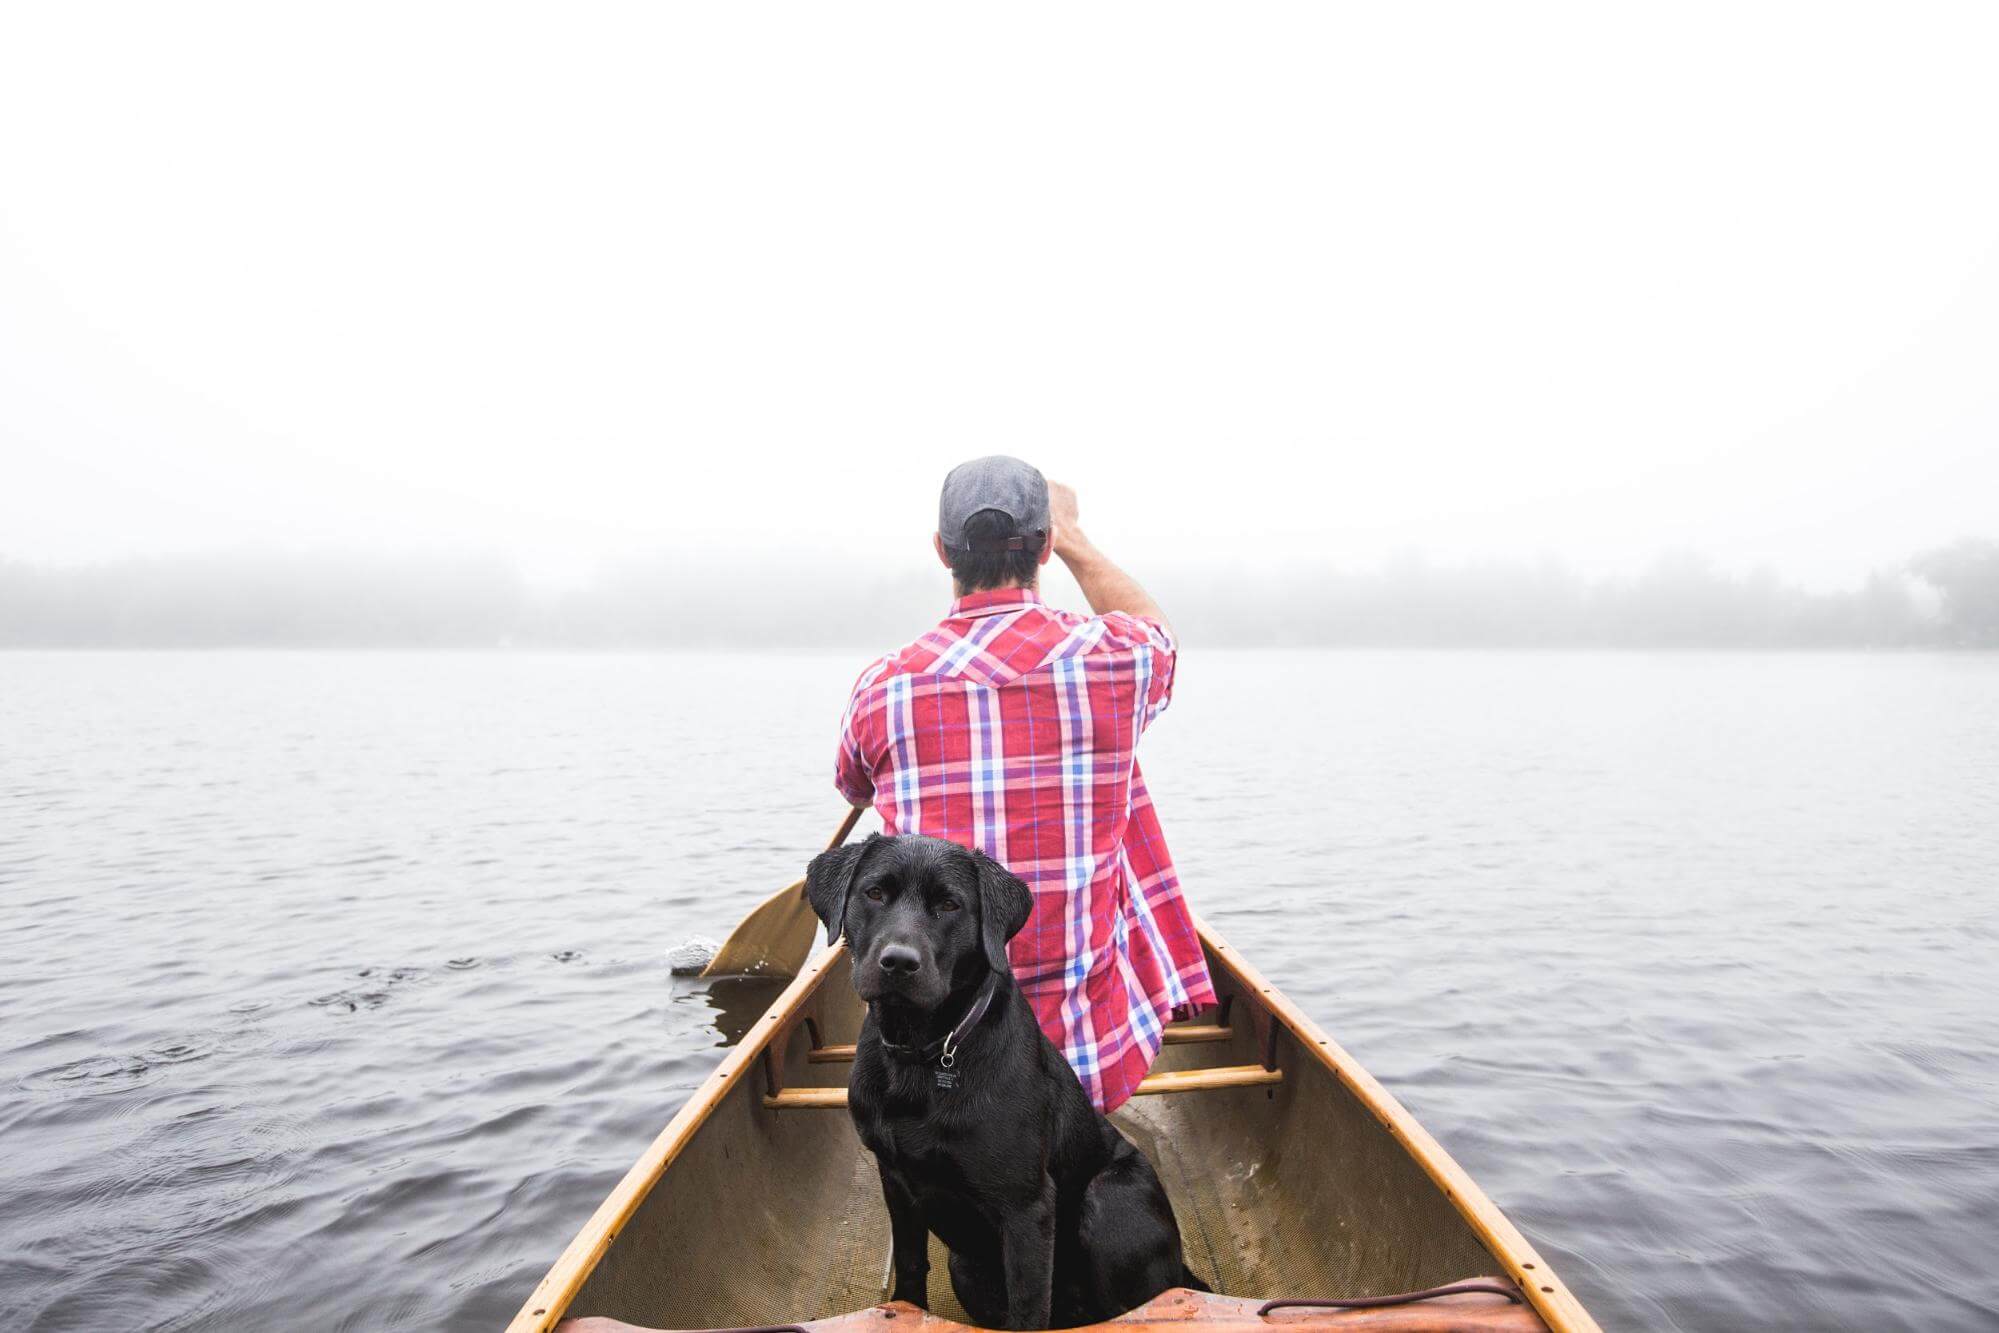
(766,1214)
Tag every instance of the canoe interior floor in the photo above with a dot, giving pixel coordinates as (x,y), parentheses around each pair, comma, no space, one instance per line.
(858,1255)
(859,1276)
(1214,1237)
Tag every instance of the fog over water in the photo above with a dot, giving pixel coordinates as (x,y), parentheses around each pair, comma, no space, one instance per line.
(1948,597)
(1301,287)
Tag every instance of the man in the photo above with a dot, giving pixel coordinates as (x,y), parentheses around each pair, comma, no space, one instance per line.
(1013,728)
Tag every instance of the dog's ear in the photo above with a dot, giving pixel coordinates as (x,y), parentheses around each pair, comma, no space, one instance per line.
(1005,902)
(830,879)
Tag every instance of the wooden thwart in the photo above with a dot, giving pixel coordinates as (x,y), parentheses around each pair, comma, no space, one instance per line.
(807,1099)
(1184,1035)
(1202,1080)
(1179,1080)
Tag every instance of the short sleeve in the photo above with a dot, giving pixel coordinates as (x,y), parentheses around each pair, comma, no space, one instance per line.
(1157,651)
(853,769)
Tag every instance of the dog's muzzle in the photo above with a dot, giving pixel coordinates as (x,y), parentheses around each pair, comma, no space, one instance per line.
(898,970)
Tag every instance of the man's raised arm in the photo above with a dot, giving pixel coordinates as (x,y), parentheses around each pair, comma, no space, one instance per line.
(1107,587)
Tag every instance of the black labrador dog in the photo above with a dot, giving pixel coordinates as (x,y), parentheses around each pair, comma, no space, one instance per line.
(981,1130)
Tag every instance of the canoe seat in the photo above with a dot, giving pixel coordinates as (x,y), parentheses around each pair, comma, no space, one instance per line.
(1178,1080)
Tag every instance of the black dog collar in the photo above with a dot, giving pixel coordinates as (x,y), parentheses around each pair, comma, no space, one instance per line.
(944,1051)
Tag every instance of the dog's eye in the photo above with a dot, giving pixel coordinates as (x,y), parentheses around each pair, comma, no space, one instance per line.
(874,895)
(949,905)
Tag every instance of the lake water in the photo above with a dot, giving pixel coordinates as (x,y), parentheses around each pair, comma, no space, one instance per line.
(334,990)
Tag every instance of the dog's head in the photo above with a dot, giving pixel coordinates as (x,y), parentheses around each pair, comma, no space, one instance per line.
(922,916)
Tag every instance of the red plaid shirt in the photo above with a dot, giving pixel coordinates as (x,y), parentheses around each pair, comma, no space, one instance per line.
(1013,727)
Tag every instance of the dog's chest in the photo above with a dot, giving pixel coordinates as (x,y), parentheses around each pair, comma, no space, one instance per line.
(949,1184)
(923,1139)
(920,1141)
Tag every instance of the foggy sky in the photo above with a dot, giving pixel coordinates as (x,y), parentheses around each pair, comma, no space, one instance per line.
(1291,284)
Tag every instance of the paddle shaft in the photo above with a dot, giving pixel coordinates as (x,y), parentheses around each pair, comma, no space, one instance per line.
(852,817)
(847,822)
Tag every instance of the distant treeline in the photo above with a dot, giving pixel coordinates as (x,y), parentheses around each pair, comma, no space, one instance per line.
(1948,597)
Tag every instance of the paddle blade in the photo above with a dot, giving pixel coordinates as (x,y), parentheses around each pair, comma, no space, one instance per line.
(774,940)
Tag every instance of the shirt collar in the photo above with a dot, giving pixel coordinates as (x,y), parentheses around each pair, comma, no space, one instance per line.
(993,601)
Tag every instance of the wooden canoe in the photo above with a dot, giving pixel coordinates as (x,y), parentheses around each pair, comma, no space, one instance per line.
(1293,1174)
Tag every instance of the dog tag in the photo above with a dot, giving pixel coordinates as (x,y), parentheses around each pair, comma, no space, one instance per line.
(947,1059)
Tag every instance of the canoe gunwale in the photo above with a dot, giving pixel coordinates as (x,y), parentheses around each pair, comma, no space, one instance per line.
(1272,1012)
(546,1306)
(1550,1297)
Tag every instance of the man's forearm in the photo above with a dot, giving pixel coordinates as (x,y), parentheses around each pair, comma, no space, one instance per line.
(1107,587)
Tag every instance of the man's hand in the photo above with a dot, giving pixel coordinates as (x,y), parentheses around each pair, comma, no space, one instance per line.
(1107,587)
(1067,533)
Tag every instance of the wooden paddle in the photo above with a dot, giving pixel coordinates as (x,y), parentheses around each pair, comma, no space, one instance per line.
(775,939)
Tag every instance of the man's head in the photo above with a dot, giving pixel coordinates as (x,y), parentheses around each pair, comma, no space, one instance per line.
(993,529)
(923,917)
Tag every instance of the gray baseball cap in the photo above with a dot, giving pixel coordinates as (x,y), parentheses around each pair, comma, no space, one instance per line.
(999,483)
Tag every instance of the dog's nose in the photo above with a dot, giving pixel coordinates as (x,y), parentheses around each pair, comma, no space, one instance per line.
(899,958)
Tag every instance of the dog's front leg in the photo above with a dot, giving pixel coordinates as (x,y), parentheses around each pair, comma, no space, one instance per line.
(909,1233)
(1027,1245)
